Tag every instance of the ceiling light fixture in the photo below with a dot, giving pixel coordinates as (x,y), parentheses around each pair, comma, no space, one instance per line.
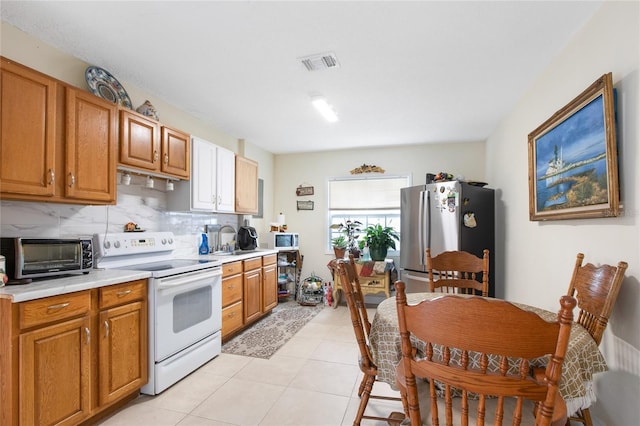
(324,108)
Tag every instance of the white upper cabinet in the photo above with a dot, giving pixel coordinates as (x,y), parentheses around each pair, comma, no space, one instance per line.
(212,184)
(226,176)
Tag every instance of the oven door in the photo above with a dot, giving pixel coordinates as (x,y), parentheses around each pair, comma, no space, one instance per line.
(188,308)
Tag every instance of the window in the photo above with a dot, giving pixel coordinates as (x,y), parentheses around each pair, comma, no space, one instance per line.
(370,200)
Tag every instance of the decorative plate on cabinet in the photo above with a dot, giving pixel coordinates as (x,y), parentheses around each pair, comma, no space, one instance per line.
(103,84)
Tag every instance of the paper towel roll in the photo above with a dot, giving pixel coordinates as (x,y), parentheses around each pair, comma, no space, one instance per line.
(281,220)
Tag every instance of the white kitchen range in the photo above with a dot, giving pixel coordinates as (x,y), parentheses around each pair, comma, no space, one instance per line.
(185,302)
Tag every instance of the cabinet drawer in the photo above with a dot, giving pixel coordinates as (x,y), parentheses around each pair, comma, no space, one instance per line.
(231,268)
(269,259)
(231,318)
(122,293)
(51,309)
(375,281)
(231,290)
(251,264)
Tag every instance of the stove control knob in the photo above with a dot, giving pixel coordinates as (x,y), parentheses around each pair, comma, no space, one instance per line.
(164,241)
(107,244)
(116,244)
(170,240)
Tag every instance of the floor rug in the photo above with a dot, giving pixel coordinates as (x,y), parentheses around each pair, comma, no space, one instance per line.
(265,337)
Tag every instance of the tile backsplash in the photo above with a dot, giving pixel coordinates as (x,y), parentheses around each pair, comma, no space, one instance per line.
(135,203)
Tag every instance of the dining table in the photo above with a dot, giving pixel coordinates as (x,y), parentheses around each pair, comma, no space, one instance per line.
(583,358)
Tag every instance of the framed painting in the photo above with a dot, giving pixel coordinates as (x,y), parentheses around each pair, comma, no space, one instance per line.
(573,159)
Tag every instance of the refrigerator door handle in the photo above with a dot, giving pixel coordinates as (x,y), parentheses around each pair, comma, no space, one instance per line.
(421,230)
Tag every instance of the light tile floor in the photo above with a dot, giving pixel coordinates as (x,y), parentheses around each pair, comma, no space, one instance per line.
(312,380)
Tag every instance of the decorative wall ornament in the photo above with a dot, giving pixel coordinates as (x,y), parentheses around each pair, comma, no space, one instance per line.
(304,190)
(573,159)
(365,168)
(305,205)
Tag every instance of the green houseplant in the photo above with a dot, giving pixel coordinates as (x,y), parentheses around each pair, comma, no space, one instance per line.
(379,239)
(350,229)
(339,246)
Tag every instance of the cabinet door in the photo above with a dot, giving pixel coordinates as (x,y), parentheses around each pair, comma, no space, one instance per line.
(139,141)
(203,178)
(270,287)
(226,188)
(252,295)
(27,131)
(246,185)
(55,374)
(90,147)
(175,153)
(122,348)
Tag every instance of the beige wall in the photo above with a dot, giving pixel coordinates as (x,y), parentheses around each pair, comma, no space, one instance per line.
(314,169)
(539,256)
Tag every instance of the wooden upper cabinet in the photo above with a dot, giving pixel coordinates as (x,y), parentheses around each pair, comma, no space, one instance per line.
(139,141)
(175,152)
(146,145)
(91,147)
(246,185)
(27,131)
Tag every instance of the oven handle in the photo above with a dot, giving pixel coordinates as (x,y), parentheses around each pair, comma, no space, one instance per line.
(181,281)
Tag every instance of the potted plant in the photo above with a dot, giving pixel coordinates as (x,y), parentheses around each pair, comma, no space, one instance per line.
(339,246)
(350,229)
(379,239)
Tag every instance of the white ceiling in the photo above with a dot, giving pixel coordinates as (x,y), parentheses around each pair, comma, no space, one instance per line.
(410,72)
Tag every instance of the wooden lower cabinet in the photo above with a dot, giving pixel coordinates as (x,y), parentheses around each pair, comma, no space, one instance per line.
(231,298)
(249,292)
(73,356)
(122,341)
(55,373)
(269,282)
(252,283)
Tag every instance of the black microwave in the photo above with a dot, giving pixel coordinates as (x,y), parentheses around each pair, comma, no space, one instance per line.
(28,258)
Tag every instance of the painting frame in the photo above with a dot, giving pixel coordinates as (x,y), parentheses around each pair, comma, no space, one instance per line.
(573,159)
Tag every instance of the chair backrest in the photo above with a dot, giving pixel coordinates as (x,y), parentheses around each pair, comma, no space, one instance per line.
(468,338)
(458,272)
(349,280)
(596,289)
(353,275)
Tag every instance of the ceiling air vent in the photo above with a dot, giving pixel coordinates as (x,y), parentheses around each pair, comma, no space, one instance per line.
(322,61)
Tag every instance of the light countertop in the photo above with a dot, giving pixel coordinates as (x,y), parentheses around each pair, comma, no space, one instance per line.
(68,284)
(100,278)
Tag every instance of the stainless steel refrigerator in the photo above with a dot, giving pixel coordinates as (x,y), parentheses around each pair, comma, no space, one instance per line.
(444,216)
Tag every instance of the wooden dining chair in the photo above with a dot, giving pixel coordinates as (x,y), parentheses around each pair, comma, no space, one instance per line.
(357,312)
(462,336)
(596,289)
(458,272)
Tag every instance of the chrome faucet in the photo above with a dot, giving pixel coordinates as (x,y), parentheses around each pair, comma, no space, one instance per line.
(219,242)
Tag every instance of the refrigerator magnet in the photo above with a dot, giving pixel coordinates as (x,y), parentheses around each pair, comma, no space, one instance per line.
(470,220)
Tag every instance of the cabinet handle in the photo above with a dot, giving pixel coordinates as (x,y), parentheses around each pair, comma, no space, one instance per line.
(52,177)
(231,314)
(123,293)
(155,156)
(106,328)
(58,306)
(72,180)
(166,158)
(87,334)
(231,286)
